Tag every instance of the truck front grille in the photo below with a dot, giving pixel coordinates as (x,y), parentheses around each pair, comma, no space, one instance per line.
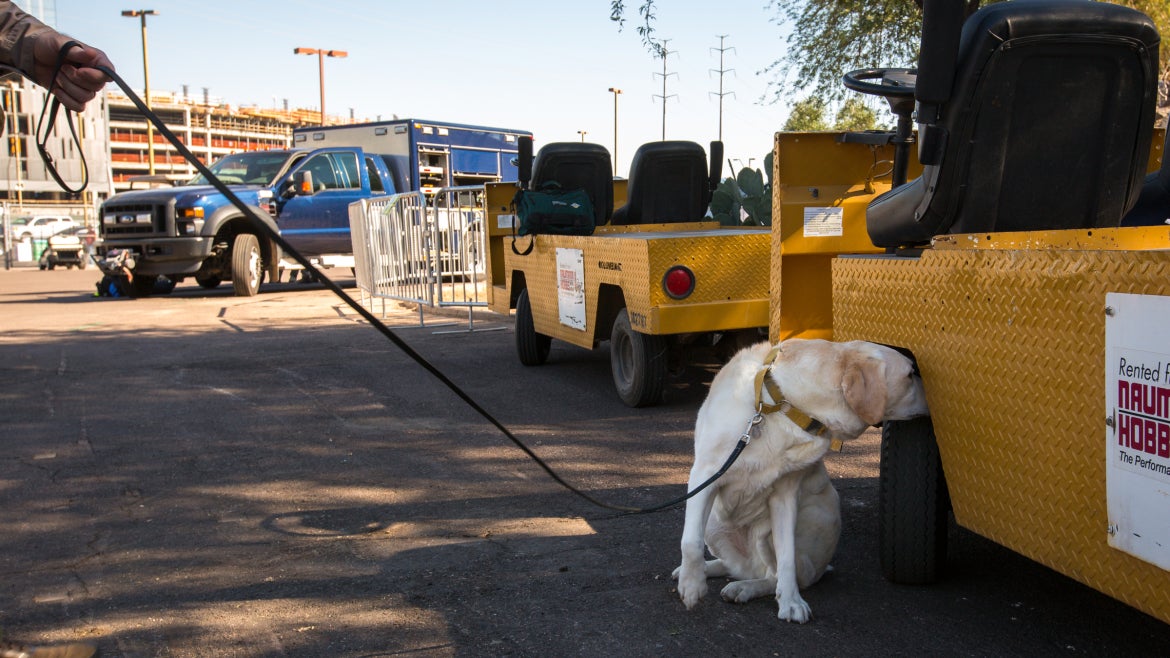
(133,220)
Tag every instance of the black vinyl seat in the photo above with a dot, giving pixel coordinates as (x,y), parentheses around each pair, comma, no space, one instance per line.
(1044,122)
(668,183)
(1153,206)
(577,165)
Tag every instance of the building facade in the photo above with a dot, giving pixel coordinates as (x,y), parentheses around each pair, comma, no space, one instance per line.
(112,146)
(210,129)
(29,185)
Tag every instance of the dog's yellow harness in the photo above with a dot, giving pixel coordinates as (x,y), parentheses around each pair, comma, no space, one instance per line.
(781,404)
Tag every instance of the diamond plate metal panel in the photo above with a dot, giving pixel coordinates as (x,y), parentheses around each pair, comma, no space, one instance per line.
(730,267)
(1011,346)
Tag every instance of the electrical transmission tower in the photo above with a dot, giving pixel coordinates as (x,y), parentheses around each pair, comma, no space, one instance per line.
(663,52)
(722,71)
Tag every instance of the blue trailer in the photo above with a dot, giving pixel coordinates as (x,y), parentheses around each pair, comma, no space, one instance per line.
(426,155)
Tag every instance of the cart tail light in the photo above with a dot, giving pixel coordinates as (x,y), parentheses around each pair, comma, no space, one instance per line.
(679,282)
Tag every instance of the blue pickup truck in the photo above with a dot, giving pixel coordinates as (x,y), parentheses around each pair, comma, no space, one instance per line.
(192,230)
(304,193)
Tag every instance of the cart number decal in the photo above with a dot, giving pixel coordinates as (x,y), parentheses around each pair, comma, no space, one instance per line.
(823,222)
(1137,437)
(571,287)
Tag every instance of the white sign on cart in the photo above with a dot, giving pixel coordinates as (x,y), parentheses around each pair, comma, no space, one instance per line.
(1137,438)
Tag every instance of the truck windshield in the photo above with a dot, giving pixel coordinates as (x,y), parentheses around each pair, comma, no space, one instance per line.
(248,168)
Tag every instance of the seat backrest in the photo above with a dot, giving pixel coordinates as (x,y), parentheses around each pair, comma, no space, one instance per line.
(668,183)
(1047,126)
(1153,206)
(577,165)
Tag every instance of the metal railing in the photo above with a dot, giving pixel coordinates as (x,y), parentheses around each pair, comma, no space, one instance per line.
(422,249)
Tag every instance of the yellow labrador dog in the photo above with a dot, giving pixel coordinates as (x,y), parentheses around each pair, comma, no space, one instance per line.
(773,519)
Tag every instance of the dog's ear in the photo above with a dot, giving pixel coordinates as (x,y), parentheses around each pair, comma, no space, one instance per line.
(864,386)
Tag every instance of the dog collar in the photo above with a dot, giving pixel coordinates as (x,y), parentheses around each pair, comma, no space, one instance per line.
(781,404)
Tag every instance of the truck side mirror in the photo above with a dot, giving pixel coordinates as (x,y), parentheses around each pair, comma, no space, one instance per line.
(302,184)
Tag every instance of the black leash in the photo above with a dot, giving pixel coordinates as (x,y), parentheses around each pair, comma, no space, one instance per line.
(50,109)
(261,226)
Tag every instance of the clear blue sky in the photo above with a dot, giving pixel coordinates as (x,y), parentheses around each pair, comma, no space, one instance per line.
(538,65)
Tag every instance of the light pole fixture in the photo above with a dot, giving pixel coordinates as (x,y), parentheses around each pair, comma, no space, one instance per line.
(615,91)
(582,133)
(321,55)
(141,14)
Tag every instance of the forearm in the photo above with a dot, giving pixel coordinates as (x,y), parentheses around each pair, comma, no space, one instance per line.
(18,32)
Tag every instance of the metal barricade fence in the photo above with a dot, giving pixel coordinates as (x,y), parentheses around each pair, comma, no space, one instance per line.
(389,250)
(426,251)
(460,241)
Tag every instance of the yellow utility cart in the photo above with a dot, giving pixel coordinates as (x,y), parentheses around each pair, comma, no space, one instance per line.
(655,277)
(1023,260)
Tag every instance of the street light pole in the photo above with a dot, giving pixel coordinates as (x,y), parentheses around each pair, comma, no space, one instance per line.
(615,91)
(141,14)
(321,55)
(582,134)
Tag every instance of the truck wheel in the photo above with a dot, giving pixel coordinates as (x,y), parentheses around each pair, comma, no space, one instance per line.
(530,346)
(913,505)
(639,363)
(208,282)
(247,265)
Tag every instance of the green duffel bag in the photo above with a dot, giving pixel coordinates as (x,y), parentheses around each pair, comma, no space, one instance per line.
(551,210)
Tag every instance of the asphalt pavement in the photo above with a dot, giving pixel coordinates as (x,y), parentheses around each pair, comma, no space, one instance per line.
(198,474)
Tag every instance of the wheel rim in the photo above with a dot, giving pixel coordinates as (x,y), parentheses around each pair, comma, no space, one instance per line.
(254,268)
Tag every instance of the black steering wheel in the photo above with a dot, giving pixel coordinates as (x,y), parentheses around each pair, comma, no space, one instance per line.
(894,83)
(897,87)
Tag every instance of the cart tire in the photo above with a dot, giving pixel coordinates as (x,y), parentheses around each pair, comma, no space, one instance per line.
(913,505)
(639,363)
(208,282)
(247,265)
(530,346)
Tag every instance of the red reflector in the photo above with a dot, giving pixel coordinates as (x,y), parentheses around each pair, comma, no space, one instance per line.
(678,282)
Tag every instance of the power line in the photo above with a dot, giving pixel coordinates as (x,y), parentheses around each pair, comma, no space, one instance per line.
(663,53)
(722,71)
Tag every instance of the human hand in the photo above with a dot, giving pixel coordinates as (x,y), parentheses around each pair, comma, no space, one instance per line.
(79,80)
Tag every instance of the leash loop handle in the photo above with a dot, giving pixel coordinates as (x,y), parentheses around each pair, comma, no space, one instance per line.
(49,110)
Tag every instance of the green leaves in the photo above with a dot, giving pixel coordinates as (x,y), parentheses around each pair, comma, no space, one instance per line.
(745,200)
(808,115)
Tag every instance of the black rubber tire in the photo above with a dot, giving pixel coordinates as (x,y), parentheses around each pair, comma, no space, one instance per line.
(531,347)
(913,505)
(208,283)
(247,265)
(639,363)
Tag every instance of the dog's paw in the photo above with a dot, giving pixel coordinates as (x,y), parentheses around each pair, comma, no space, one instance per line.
(691,587)
(735,592)
(742,591)
(794,610)
(674,574)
